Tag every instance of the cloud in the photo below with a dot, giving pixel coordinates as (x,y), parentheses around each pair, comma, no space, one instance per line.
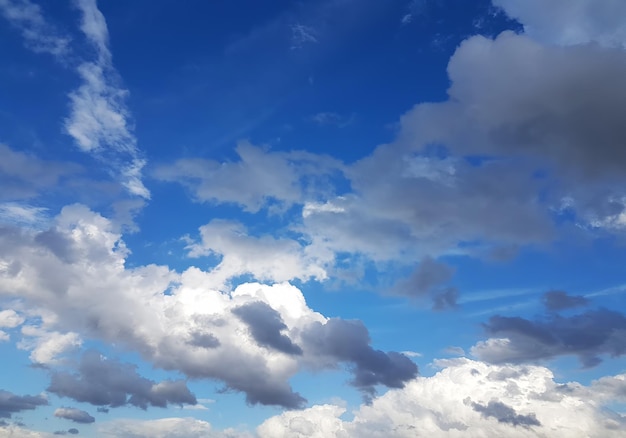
(570,22)
(258,178)
(176,321)
(99,121)
(587,335)
(75,415)
(302,35)
(13,404)
(463,399)
(265,325)
(429,279)
(39,35)
(556,300)
(10,319)
(23,176)
(106,382)
(505,414)
(265,257)
(332,119)
(348,341)
(166,428)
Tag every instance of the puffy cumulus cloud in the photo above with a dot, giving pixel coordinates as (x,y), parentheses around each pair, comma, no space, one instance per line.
(10,318)
(562,120)
(266,257)
(588,335)
(320,421)
(570,22)
(166,428)
(465,399)
(14,430)
(77,282)
(12,404)
(257,178)
(46,346)
(101,381)
(75,415)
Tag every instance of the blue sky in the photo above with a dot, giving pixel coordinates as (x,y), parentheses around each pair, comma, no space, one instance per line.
(329,218)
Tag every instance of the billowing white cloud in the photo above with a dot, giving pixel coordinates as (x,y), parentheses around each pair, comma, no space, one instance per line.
(266,258)
(254,338)
(469,399)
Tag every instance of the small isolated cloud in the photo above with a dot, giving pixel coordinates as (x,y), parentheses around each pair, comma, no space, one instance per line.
(429,279)
(302,35)
(332,119)
(75,415)
(11,403)
(10,319)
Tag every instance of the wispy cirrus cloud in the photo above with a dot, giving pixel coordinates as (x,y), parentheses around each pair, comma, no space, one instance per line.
(39,35)
(99,121)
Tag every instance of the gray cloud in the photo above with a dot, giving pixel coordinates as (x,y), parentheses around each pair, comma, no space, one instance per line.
(587,335)
(265,325)
(105,382)
(75,415)
(505,414)
(559,300)
(348,341)
(429,279)
(11,403)
(23,175)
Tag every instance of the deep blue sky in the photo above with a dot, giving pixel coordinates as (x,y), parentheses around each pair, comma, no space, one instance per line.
(331,218)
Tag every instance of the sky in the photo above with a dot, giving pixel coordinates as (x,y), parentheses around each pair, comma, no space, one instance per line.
(313,218)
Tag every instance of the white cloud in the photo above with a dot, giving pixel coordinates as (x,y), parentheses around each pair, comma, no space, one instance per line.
(266,258)
(39,35)
(10,319)
(468,399)
(166,428)
(254,338)
(570,22)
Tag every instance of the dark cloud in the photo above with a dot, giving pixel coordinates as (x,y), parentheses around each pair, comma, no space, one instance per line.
(556,300)
(505,414)
(75,415)
(348,341)
(11,403)
(587,335)
(204,340)
(73,431)
(106,382)
(103,410)
(265,326)
(429,279)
